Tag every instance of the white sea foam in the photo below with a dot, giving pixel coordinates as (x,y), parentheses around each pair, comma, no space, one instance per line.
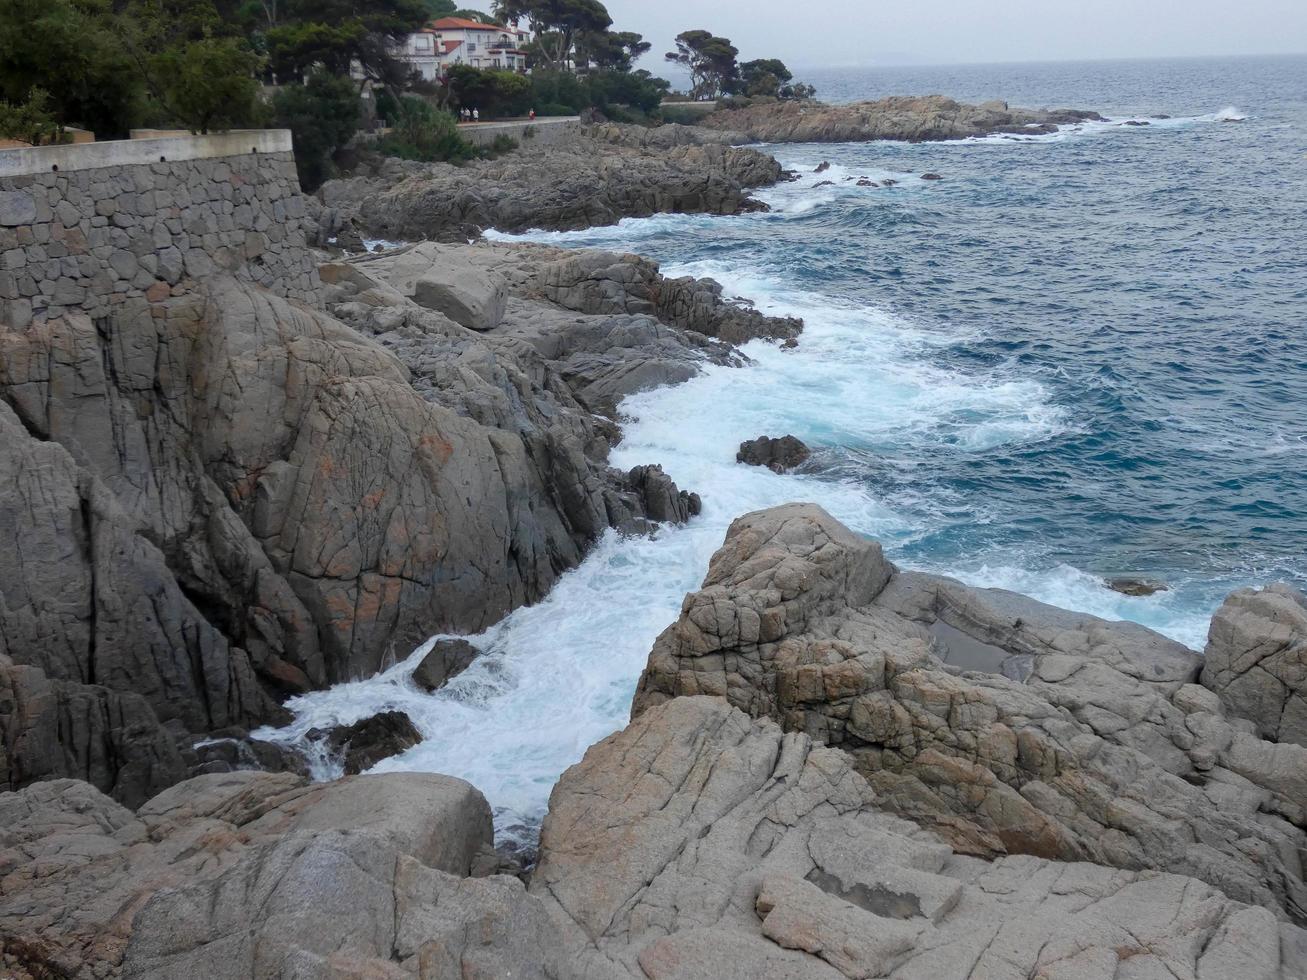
(1094,127)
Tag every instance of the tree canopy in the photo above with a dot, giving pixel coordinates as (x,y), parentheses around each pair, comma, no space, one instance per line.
(615,50)
(68,49)
(709,59)
(556,23)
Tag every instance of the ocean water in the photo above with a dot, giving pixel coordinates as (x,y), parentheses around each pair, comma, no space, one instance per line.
(1076,356)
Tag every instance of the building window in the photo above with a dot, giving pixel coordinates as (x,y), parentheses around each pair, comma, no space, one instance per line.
(471,45)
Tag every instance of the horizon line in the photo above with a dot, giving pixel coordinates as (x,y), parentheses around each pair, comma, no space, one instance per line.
(1047,61)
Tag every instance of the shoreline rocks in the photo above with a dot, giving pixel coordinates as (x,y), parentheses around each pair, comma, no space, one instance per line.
(224,498)
(1084,740)
(448,658)
(1256,660)
(913,119)
(778,455)
(601,174)
(362,745)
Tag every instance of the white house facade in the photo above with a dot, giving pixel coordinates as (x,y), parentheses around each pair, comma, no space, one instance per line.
(459,41)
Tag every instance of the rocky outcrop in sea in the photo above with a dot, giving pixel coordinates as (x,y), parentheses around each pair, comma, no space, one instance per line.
(912,118)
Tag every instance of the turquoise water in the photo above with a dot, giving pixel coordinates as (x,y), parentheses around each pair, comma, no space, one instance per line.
(1076,356)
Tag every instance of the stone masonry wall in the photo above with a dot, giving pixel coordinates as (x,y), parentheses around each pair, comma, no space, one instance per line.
(91,239)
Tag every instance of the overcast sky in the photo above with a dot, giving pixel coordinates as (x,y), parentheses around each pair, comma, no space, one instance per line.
(857,32)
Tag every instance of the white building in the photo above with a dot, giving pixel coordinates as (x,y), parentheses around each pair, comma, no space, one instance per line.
(458,41)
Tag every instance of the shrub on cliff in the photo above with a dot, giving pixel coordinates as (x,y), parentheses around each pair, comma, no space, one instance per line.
(420,131)
(322,114)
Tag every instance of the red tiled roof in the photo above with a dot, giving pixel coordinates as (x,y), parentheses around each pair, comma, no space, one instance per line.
(450,45)
(463,24)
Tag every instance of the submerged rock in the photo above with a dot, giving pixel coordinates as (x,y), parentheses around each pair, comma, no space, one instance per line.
(365,743)
(822,167)
(447,659)
(1135,586)
(778,455)
(235,751)
(931,177)
(662,500)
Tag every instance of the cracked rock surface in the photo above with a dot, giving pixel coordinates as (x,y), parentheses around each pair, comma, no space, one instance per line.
(1004,725)
(222,497)
(234,875)
(1256,660)
(701,843)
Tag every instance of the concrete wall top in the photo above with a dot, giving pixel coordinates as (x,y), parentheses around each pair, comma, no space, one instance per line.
(118,153)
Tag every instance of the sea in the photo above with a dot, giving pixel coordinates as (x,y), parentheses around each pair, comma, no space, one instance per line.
(1075,357)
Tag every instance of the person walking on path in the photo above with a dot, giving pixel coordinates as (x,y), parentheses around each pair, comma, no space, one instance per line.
(476,115)
(532,116)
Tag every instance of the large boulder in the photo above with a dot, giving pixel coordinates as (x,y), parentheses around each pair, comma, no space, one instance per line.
(778,455)
(248,874)
(441,279)
(446,659)
(1256,660)
(701,843)
(1005,725)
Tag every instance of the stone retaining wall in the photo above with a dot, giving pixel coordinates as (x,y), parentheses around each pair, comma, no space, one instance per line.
(91,239)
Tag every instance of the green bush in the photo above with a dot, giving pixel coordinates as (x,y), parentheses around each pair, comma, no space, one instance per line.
(422,132)
(493,92)
(322,115)
(679,114)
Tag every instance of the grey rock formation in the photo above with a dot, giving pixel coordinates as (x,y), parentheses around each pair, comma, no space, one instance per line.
(698,843)
(50,729)
(1005,725)
(604,173)
(778,455)
(233,750)
(449,284)
(660,498)
(223,498)
(1256,660)
(244,874)
(911,118)
(447,659)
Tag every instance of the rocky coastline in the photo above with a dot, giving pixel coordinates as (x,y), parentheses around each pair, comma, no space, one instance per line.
(835,767)
(913,119)
(597,175)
